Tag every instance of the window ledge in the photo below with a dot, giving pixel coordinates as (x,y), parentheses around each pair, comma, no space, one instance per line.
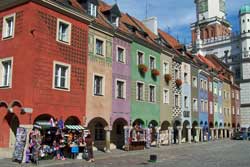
(100,55)
(5,87)
(98,95)
(122,98)
(64,42)
(8,37)
(61,88)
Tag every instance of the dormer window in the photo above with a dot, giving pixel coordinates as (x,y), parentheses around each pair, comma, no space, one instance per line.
(115,21)
(92,9)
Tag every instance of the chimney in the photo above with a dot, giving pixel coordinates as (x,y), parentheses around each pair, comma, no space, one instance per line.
(152,24)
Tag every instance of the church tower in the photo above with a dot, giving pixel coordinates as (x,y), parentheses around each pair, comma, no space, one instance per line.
(211,20)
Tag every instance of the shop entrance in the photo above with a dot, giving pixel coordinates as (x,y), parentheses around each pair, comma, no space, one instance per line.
(117,133)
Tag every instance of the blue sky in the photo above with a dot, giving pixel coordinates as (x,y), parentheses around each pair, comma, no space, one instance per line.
(175,16)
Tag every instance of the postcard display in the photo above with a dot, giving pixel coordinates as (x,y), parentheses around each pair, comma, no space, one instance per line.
(20,144)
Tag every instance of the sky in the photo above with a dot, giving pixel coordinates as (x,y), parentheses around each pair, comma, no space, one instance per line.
(175,16)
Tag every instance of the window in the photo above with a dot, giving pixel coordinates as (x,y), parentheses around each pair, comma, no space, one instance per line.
(8,26)
(210,86)
(98,85)
(203,6)
(99,44)
(195,105)
(211,107)
(220,110)
(5,72)
(176,100)
(225,95)
(219,92)
(201,84)
(233,110)
(222,6)
(185,101)
(92,9)
(120,89)
(205,85)
(151,62)
(165,68)
(228,111)
(139,91)
(194,82)
(99,131)
(206,106)
(215,107)
(225,111)
(202,106)
(115,20)
(185,77)
(233,94)
(166,96)
(61,76)
(215,89)
(176,73)
(140,58)
(63,31)
(152,93)
(121,55)
(237,95)
(238,111)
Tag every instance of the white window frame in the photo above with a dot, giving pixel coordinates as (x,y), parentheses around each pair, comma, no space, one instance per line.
(205,84)
(210,86)
(150,56)
(68,77)
(219,92)
(194,85)
(233,110)
(4,28)
(201,84)
(124,54)
(220,108)
(92,9)
(154,100)
(238,111)
(165,70)
(2,86)
(233,94)
(103,84)
(195,105)
(124,89)
(103,46)
(202,105)
(143,89)
(58,29)
(215,107)
(178,103)
(206,105)
(137,57)
(185,79)
(178,73)
(165,100)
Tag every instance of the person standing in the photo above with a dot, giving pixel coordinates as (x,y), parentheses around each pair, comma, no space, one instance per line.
(89,145)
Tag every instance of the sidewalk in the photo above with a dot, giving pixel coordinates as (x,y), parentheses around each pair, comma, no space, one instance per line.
(100,155)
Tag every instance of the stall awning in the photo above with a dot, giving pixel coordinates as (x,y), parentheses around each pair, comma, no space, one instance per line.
(74,127)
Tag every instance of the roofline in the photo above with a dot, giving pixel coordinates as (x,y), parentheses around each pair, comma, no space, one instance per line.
(55,6)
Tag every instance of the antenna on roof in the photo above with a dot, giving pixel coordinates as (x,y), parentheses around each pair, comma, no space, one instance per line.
(146,8)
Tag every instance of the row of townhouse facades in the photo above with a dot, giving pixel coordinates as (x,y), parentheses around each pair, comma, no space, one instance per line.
(88,63)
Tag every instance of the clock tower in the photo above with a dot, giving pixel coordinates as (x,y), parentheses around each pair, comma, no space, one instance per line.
(211,20)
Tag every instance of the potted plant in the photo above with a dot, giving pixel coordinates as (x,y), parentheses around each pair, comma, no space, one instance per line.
(155,72)
(178,82)
(167,77)
(142,68)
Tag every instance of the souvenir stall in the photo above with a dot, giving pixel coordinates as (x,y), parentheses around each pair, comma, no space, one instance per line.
(137,138)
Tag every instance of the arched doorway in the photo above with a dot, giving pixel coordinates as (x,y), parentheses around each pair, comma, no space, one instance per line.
(96,127)
(193,130)
(117,133)
(152,125)
(216,124)
(175,125)
(139,122)
(165,125)
(13,123)
(43,120)
(185,130)
(72,120)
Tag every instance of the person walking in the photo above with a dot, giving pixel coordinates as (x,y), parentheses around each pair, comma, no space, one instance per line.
(89,145)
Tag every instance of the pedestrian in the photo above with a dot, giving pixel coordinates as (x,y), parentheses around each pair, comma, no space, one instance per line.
(89,145)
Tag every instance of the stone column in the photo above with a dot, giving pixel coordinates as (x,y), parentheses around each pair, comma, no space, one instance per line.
(179,134)
(189,134)
(170,129)
(230,133)
(107,139)
(212,133)
(197,134)
(217,133)
(221,133)
(202,134)
(158,142)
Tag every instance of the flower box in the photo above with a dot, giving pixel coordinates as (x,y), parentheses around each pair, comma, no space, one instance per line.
(142,68)
(167,77)
(178,82)
(155,72)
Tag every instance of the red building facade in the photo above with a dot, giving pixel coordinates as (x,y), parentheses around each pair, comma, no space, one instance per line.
(46,75)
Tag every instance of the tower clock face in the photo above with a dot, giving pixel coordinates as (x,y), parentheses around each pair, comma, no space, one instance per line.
(203,6)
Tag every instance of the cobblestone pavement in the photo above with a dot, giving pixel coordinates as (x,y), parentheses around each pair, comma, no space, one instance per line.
(222,153)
